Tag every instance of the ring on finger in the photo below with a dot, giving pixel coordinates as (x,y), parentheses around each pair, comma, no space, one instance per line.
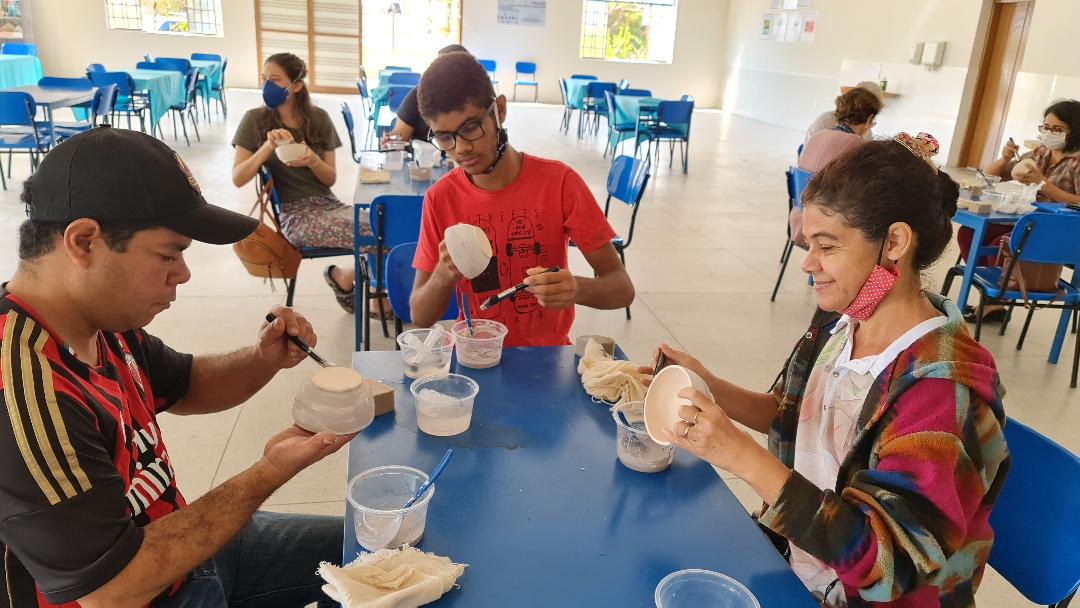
(686,433)
(694,421)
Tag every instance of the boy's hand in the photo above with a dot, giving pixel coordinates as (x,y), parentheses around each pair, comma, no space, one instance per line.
(552,289)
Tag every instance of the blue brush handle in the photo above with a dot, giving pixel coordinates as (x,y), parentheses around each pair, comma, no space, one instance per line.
(465,312)
(431,478)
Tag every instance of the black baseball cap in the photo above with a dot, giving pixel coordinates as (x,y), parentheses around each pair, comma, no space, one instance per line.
(110,174)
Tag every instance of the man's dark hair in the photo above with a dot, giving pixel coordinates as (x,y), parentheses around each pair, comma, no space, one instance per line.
(453,48)
(37,238)
(450,83)
(1068,112)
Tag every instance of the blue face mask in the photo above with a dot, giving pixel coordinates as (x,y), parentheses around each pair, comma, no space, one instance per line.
(274,95)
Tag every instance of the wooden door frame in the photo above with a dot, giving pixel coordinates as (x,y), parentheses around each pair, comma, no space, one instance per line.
(978,72)
(311,63)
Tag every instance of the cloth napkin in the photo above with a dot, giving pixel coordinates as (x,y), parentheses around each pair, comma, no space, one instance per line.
(608,379)
(390,578)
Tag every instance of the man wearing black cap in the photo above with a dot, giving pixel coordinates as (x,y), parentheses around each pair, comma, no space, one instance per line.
(89,508)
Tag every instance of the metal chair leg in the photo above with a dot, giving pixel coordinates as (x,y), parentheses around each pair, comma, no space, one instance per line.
(183,123)
(1008,317)
(1023,332)
(1072,383)
(978,318)
(783,267)
(194,125)
(1076,318)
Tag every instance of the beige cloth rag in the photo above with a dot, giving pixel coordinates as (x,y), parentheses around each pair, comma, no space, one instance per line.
(609,379)
(390,578)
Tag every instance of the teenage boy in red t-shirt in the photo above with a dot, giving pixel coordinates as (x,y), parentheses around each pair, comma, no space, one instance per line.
(530,208)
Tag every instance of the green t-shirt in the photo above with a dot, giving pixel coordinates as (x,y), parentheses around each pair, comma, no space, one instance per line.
(291,183)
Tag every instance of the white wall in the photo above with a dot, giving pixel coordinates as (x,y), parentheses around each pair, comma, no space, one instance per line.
(695,69)
(789,84)
(1050,70)
(73,33)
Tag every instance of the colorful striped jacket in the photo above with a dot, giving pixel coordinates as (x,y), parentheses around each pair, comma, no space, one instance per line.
(907,523)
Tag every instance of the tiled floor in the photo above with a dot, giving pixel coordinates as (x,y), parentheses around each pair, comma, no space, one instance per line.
(704,260)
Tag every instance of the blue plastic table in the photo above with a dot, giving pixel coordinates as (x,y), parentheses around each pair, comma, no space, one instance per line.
(19,70)
(51,98)
(536,502)
(166,89)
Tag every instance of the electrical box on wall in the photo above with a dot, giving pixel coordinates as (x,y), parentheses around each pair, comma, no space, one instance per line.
(916,53)
(933,54)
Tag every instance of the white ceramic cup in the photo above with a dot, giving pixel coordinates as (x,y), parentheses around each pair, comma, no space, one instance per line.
(290,152)
(662,401)
(469,248)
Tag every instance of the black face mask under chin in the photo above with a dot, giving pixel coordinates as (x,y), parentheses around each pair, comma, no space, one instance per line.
(500,146)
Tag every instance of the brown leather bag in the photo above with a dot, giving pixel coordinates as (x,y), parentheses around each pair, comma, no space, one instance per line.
(266,252)
(1028,277)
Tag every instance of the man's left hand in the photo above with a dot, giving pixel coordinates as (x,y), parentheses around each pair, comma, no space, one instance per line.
(552,289)
(274,346)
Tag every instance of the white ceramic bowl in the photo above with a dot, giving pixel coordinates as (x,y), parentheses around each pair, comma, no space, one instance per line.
(662,401)
(469,248)
(290,152)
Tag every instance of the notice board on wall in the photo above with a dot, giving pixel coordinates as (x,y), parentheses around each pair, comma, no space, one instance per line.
(522,12)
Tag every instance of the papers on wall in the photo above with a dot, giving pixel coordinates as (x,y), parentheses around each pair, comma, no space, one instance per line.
(794,27)
(791,4)
(780,26)
(809,27)
(522,12)
(768,24)
(806,3)
(776,4)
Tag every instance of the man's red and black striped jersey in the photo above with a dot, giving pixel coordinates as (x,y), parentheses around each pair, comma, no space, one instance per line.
(82,463)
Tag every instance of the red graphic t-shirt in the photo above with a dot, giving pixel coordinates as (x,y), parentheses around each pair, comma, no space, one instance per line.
(529,223)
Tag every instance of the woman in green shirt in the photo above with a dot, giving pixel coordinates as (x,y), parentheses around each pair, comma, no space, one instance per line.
(311,216)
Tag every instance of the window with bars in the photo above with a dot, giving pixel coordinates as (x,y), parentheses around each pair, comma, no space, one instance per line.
(192,17)
(629,30)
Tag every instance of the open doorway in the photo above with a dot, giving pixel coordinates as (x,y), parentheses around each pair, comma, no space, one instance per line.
(407,32)
(1003,51)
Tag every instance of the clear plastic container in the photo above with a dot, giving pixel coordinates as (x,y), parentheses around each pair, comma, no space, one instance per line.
(394,160)
(434,363)
(341,412)
(699,588)
(636,450)
(444,404)
(482,347)
(376,497)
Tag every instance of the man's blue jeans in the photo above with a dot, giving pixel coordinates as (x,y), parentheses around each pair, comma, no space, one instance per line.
(271,562)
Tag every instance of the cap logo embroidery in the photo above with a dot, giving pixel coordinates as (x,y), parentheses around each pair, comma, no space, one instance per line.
(187,173)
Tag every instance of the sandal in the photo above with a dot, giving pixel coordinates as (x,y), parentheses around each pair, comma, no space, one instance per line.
(994,316)
(344,298)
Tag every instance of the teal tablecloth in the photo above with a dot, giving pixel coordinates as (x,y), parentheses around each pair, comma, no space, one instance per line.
(211,73)
(19,70)
(166,89)
(627,109)
(575,91)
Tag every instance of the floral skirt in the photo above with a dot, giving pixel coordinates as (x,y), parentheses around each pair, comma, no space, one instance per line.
(321,221)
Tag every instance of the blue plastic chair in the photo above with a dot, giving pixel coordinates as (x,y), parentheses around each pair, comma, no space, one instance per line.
(152,65)
(94,67)
(350,128)
(18,48)
(527,68)
(19,131)
(593,105)
(690,98)
(568,110)
(1035,519)
(624,84)
(368,107)
(626,183)
(403,79)
(54,82)
(186,108)
(636,92)
(176,64)
(205,87)
(615,130)
(395,219)
(1047,238)
(400,276)
(217,90)
(129,102)
(489,67)
(797,179)
(264,186)
(673,125)
(100,109)
(147,57)
(206,57)
(583,76)
(401,68)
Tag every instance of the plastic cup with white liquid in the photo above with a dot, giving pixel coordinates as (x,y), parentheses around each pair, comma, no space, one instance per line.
(444,404)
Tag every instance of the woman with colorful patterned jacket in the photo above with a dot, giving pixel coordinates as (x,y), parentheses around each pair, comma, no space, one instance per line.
(886,450)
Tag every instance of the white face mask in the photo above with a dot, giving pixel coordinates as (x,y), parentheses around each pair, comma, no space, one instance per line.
(1054,141)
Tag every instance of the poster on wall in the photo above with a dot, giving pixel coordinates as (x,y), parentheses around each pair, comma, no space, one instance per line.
(794,28)
(791,5)
(522,12)
(776,4)
(768,25)
(779,26)
(809,27)
(806,3)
